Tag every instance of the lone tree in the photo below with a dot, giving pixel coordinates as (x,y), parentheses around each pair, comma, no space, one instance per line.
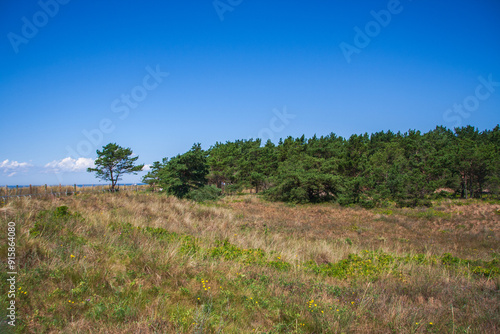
(114,161)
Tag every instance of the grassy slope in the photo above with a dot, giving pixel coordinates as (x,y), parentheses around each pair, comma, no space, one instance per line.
(146,263)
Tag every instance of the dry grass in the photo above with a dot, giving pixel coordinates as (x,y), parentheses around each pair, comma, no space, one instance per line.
(140,263)
(471,230)
(57,191)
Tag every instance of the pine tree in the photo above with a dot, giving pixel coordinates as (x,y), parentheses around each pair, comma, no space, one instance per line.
(114,161)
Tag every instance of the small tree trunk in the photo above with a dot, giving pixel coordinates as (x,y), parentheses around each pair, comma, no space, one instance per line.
(112,181)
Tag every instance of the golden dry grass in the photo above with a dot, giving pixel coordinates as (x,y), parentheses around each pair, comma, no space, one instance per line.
(140,263)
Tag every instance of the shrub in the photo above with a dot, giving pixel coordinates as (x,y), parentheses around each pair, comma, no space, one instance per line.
(233,188)
(205,193)
(51,222)
(443,195)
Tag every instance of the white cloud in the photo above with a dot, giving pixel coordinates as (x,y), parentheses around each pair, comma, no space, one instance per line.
(70,165)
(146,168)
(13,167)
(7,164)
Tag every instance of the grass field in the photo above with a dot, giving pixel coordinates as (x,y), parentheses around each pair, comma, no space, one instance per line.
(148,263)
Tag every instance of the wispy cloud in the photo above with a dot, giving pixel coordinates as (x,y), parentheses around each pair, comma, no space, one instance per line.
(69,165)
(13,167)
(7,164)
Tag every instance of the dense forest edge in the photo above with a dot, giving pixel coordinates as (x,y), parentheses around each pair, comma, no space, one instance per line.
(382,169)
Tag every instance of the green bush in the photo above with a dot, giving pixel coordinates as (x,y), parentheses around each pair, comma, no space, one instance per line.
(233,188)
(443,195)
(205,193)
(51,222)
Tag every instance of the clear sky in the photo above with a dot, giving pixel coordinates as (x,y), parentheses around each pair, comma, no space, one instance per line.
(158,76)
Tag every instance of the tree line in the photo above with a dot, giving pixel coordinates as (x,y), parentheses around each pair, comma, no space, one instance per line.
(408,168)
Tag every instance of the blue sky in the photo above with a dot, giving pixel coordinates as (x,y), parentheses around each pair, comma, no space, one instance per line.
(236,70)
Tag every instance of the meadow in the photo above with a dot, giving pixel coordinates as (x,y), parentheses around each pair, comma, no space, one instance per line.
(141,262)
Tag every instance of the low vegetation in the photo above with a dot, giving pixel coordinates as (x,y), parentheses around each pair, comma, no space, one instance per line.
(140,262)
